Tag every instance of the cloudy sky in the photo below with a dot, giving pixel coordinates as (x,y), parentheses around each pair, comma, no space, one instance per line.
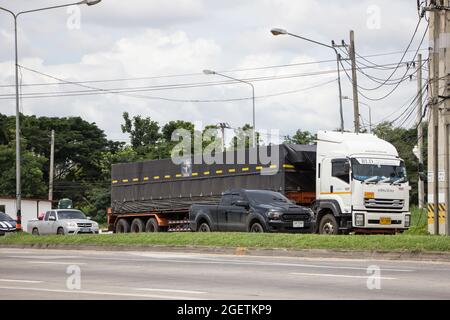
(153,53)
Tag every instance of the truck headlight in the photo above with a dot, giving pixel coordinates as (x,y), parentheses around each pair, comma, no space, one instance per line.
(359,220)
(407,220)
(72,225)
(274,215)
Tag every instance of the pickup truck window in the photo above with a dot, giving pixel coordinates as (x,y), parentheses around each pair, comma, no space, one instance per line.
(70,214)
(226,200)
(47,214)
(236,197)
(52,214)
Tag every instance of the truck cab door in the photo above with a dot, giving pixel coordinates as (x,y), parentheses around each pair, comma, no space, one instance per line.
(52,222)
(335,181)
(237,215)
(222,212)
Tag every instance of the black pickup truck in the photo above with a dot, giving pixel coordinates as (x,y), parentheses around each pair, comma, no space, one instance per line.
(252,211)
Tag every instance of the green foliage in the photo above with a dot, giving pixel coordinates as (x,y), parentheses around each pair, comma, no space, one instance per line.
(404,141)
(302,137)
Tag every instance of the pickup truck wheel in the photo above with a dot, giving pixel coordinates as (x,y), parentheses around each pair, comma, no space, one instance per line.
(137,225)
(328,225)
(122,226)
(60,231)
(256,227)
(152,225)
(35,232)
(204,227)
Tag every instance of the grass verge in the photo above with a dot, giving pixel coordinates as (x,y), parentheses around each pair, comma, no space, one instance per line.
(403,243)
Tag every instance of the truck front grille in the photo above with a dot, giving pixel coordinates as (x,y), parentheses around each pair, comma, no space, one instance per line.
(377,203)
(295,217)
(84,225)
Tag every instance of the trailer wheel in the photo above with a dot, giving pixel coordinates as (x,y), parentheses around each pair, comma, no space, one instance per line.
(152,225)
(137,225)
(256,227)
(204,227)
(328,225)
(122,226)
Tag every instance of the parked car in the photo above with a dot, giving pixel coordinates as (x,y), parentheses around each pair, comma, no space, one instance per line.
(63,221)
(253,211)
(7,224)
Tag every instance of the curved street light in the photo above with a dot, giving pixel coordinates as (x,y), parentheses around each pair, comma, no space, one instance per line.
(279,31)
(211,72)
(18,155)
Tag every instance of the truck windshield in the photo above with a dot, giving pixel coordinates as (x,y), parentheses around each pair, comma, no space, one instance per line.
(378,170)
(63,215)
(266,197)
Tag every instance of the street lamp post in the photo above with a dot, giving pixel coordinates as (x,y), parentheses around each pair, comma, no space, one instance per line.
(209,72)
(278,31)
(16,57)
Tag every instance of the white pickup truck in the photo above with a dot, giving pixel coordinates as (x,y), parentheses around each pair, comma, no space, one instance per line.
(63,221)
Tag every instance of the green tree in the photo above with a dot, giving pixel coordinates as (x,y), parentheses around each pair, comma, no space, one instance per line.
(404,141)
(144,133)
(302,137)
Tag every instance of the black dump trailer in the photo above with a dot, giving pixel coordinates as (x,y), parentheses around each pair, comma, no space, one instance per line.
(155,195)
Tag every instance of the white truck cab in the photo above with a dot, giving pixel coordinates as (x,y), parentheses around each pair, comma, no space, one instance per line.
(361,184)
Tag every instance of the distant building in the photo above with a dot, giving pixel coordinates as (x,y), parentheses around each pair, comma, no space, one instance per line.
(30,208)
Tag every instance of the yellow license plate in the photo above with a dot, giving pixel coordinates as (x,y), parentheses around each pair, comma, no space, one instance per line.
(385,220)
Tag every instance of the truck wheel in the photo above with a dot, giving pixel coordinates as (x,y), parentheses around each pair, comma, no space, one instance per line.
(204,227)
(60,231)
(137,226)
(122,226)
(328,225)
(152,225)
(35,232)
(256,227)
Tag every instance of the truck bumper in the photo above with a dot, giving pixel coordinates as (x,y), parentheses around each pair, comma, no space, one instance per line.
(288,227)
(382,221)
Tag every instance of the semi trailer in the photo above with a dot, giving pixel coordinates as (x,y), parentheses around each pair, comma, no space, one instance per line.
(352,182)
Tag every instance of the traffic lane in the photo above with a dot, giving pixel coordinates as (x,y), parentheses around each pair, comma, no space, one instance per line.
(231,277)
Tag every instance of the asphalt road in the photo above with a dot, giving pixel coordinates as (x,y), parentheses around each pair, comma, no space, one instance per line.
(53,274)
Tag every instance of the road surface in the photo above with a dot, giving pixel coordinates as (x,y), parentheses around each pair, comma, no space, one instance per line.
(59,274)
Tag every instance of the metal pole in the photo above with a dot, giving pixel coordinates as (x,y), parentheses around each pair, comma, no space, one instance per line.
(354,81)
(52,165)
(420,186)
(18,149)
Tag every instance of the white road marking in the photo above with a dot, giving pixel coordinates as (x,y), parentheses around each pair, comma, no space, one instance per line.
(44,257)
(171,290)
(20,281)
(56,262)
(255,263)
(338,275)
(100,293)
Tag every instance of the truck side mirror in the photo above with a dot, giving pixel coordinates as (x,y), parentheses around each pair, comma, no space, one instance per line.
(242,203)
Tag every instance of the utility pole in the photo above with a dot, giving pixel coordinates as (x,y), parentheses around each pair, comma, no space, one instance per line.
(354,81)
(420,181)
(52,166)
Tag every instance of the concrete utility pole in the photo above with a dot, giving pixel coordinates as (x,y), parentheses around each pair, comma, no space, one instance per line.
(420,181)
(354,81)
(52,166)
(438,127)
